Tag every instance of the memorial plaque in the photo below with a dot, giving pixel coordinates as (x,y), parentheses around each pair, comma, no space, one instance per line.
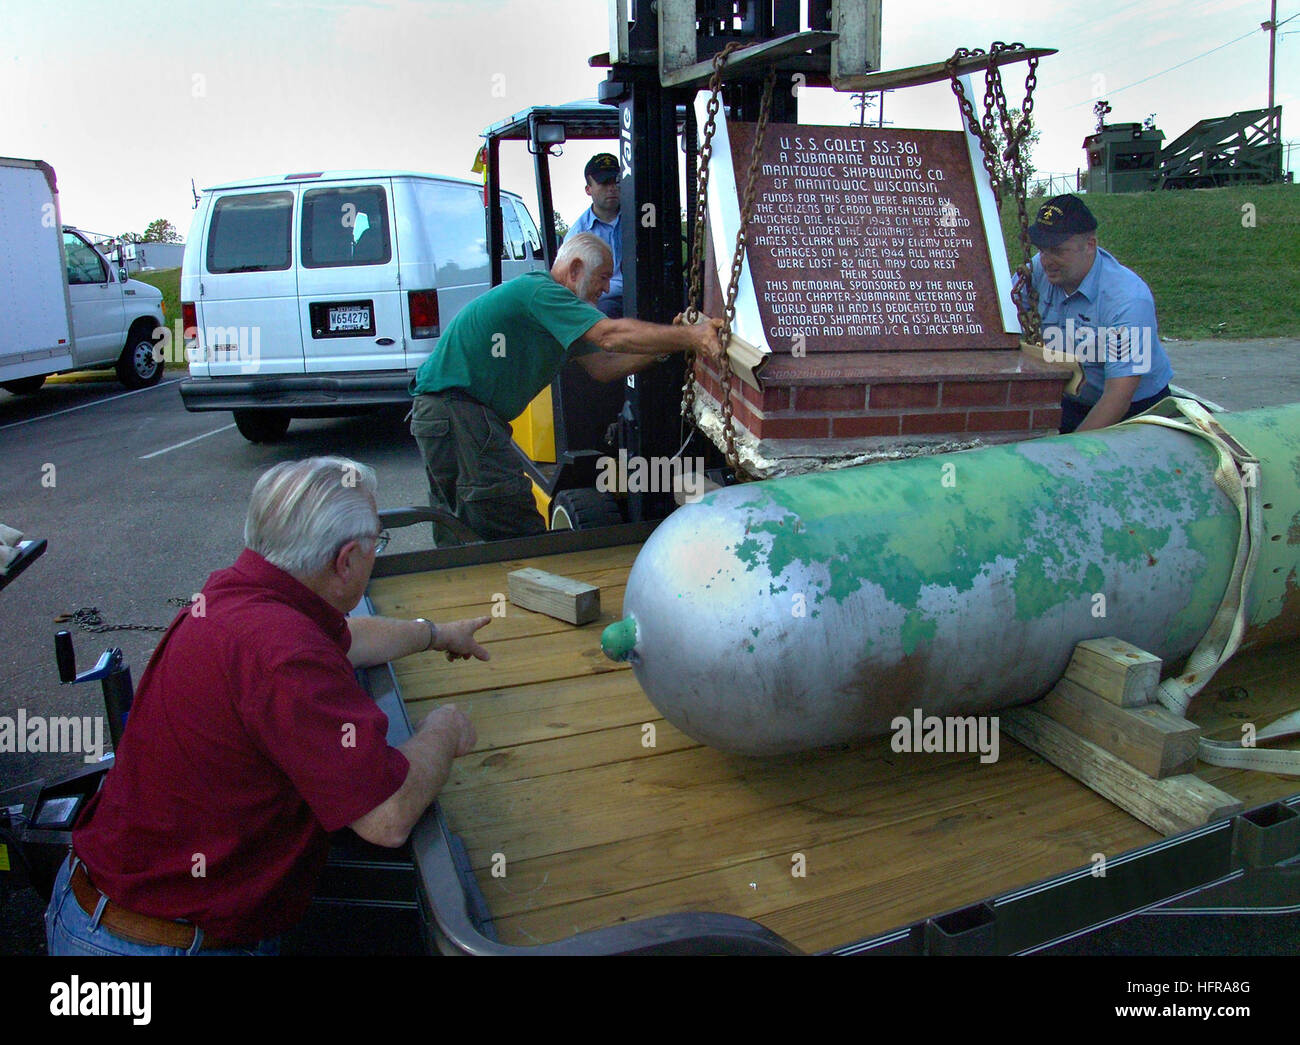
(866,239)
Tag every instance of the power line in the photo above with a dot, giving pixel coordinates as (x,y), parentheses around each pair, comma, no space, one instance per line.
(1135,83)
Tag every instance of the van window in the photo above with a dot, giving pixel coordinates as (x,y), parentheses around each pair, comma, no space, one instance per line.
(454,224)
(251,233)
(514,235)
(347,226)
(533,240)
(84,264)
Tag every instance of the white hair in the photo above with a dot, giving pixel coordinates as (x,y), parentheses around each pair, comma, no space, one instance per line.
(302,512)
(587,247)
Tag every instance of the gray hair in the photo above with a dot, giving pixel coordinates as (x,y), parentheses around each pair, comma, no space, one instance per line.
(302,512)
(587,247)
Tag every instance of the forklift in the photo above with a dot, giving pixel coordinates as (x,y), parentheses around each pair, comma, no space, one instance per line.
(643,107)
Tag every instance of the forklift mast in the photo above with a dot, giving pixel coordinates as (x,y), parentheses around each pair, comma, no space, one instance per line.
(661,54)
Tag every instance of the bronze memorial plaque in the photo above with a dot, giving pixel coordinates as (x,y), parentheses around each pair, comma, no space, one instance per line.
(869,240)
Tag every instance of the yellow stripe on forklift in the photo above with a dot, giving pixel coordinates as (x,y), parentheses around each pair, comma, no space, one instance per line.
(543,501)
(534,429)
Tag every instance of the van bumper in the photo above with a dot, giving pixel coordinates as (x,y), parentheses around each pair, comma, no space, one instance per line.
(300,395)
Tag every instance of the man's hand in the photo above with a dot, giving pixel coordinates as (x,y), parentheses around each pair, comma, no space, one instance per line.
(457,639)
(705,336)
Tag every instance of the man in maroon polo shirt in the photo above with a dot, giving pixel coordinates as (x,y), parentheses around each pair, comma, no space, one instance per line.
(250,739)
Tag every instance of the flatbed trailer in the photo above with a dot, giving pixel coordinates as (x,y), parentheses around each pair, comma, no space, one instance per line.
(584,823)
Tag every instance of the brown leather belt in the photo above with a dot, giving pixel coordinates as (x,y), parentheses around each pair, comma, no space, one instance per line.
(138,928)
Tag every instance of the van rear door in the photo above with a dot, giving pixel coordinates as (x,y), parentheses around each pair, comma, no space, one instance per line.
(445,251)
(247,309)
(349,297)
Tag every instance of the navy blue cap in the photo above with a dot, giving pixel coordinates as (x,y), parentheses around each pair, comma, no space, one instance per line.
(602,168)
(1060,218)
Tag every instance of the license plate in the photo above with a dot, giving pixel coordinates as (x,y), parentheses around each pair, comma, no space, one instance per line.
(349,318)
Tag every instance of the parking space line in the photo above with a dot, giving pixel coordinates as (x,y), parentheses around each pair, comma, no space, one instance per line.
(177,446)
(97,402)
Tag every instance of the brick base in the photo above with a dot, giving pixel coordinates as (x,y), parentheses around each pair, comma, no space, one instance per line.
(896,394)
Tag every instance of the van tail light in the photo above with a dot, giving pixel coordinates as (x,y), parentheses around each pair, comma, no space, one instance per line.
(189,321)
(423,305)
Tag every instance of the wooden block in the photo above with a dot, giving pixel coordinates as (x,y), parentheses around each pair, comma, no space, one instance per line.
(556,596)
(1174,804)
(1149,738)
(1116,670)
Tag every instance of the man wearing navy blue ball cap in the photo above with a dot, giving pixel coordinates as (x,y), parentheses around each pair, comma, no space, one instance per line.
(1098,312)
(605,219)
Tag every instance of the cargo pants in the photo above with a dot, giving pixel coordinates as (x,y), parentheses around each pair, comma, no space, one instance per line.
(473,469)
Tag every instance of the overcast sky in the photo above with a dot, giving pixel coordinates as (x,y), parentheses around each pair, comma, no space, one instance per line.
(130,100)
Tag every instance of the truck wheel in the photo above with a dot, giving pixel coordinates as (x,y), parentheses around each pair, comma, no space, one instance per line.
(261,426)
(24,386)
(584,509)
(139,366)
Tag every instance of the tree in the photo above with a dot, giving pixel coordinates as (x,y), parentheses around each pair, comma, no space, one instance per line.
(160,230)
(561,227)
(130,237)
(1005,187)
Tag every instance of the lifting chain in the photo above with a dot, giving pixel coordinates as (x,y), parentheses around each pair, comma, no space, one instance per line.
(997,115)
(695,300)
(694,306)
(88,619)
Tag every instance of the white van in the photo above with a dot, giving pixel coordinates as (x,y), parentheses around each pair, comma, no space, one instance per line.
(66,307)
(313,295)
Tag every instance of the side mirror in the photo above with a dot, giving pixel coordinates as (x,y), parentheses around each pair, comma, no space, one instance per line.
(122,277)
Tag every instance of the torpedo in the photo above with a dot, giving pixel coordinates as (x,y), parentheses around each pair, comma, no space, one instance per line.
(801,612)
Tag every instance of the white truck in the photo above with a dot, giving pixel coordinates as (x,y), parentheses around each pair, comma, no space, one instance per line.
(67,307)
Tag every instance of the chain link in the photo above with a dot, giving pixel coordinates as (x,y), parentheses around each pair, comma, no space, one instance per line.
(88,618)
(998,116)
(738,263)
(695,301)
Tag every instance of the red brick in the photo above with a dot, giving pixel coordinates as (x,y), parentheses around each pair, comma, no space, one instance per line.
(774,399)
(997,421)
(795,428)
(933,424)
(856,427)
(1047,418)
(1034,392)
(974,393)
(896,397)
(831,397)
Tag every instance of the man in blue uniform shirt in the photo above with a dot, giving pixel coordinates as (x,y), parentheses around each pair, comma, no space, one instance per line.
(1098,312)
(603,218)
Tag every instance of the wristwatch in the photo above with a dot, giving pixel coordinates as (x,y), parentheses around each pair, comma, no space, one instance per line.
(433,632)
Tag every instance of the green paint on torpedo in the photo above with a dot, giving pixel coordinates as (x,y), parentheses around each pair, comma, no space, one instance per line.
(917,628)
(847,532)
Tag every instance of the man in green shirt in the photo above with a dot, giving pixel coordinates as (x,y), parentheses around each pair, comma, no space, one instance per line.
(498,353)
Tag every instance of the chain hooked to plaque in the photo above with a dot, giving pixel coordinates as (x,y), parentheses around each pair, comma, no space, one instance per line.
(997,115)
(695,301)
(693,309)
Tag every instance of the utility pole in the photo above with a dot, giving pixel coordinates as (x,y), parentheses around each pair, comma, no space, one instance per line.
(1271,26)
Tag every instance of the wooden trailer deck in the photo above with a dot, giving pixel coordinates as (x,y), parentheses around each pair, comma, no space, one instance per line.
(595,826)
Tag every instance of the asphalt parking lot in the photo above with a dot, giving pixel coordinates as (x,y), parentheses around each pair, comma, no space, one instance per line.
(140,501)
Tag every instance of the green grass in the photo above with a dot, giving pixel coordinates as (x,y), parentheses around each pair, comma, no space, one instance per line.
(1210,276)
(169,282)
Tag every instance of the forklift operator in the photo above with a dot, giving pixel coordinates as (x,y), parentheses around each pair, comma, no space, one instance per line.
(498,353)
(250,739)
(604,218)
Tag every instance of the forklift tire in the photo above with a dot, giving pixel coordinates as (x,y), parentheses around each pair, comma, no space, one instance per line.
(583,508)
(262,426)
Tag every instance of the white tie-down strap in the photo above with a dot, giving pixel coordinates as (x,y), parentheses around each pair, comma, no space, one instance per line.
(1237,475)
(1241,755)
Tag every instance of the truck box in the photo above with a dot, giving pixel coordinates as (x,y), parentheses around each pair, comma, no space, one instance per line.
(69,309)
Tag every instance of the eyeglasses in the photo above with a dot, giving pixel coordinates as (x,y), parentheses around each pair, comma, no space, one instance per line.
(381,541)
